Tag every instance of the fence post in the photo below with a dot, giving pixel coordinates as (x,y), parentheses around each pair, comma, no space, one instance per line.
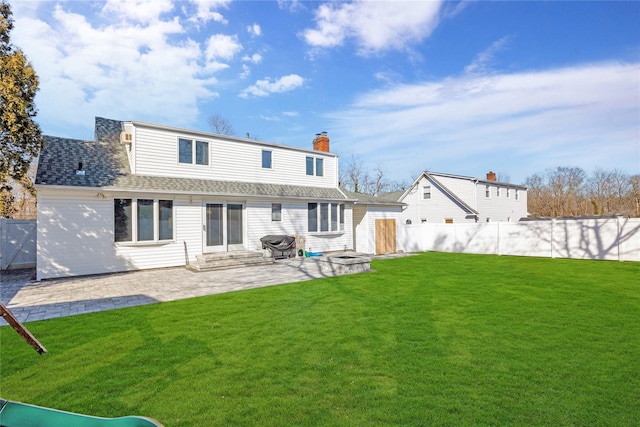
(3,242)
(553,224)
(618,218)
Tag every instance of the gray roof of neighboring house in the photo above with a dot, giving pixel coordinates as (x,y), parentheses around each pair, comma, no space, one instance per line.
(453,196)
(106,166)
(369,199)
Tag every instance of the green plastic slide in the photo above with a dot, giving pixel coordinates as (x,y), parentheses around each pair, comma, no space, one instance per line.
(16,414)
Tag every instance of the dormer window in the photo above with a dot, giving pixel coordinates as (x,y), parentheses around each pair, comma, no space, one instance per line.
(315,166)
(193,152)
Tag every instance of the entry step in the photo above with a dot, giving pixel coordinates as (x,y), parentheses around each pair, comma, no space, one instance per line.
(226,260)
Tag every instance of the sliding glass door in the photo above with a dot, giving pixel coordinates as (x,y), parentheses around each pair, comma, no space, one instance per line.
(223,227)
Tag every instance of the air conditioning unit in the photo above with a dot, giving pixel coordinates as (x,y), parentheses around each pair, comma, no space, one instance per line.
(126,138)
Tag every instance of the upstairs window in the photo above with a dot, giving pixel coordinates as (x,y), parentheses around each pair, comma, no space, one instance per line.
(315,166)
(191,152)
(426,192)
(517,195)
(202,153)
(319,167)
(487,192)
(498,192)
(309,165)
(266,159)
(508,193)
(185,151)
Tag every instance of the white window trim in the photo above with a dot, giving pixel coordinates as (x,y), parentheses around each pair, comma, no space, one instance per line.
(270,160)
(156,224)
(194,143)
(279,212)
(314,166)
(424,192)
(340,226)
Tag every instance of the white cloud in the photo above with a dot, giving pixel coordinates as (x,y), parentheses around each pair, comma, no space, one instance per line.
(256,58)
(144,11)
(254,30)
(222,46)
(523,122)
(291,5)
(124,68)
(290,113)
(374,26)
(266,87)
(207,10)
(483,61)
(246,71)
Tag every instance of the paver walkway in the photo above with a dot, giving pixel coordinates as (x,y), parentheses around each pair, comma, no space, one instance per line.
(30,300)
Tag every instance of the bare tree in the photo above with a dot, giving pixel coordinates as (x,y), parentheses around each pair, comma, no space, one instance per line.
(353,175)
(220,125)
(567,191)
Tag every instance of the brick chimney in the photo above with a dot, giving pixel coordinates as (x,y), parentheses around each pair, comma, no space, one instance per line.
(491,176)
(321,142)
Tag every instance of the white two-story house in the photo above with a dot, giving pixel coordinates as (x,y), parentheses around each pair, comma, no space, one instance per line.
(445,198)
(143,196)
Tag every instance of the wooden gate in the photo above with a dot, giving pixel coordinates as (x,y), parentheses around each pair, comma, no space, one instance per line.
(18,243)
(385,236)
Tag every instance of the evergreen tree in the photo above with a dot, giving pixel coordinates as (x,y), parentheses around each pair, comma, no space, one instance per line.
(20,137)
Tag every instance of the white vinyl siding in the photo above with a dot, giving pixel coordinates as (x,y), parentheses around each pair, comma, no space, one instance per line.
(156,154)
(76,236)
(365,225)
(294,221)
(441,206)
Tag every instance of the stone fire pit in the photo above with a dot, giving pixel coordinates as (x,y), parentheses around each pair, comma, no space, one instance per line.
(344,263)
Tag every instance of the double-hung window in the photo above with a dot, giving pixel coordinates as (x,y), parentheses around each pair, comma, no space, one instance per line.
(276,212)
(309,163)
(325,217)
(426,192)
(319,167)
(266,159)
(143,220)
(487,191)
(314,166)
(193,152)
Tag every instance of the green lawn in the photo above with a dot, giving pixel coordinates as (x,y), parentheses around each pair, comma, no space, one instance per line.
(433,339)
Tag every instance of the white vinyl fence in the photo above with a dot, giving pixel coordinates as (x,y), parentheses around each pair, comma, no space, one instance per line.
(603,238)
(17,243)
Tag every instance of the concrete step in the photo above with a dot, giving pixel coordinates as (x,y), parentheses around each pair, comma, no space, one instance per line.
(226,260)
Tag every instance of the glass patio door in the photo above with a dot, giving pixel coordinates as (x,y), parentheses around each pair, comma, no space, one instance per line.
(223,227)
(234,227)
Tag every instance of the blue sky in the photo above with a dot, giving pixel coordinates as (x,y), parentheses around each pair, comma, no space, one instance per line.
(456,87)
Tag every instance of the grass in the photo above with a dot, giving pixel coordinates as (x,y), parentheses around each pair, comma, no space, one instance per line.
(433,339)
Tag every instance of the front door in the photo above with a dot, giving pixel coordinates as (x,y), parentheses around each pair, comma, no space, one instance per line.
(223,227)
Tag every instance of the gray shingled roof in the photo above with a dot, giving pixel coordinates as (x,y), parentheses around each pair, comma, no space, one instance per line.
(106,167)
(370,199)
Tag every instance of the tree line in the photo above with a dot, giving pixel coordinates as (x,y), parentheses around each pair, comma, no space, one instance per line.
(570,191)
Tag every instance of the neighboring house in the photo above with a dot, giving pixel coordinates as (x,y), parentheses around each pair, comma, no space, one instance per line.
(444,198)
(143,196)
